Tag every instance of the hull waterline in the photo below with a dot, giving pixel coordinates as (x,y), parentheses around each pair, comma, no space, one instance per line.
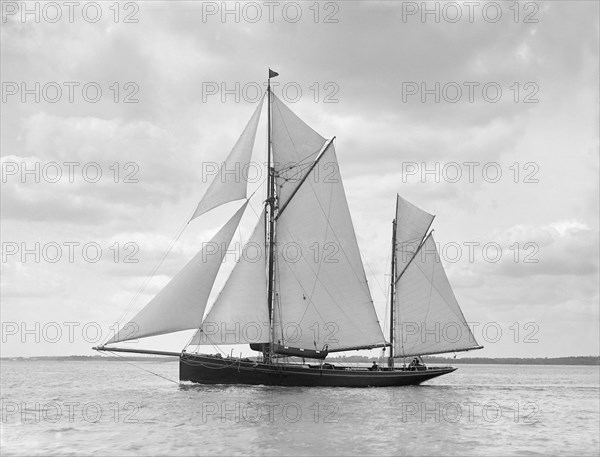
(205,369)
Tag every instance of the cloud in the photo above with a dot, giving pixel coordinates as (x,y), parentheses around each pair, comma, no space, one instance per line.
(562,248)
(360,64)
(89,170)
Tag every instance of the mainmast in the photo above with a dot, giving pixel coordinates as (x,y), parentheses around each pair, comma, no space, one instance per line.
(270,225)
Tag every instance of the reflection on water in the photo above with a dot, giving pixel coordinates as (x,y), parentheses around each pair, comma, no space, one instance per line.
(112,408)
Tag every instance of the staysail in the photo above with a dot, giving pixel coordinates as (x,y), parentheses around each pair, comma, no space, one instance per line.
(240,313)
(428,319)
(322,296)
(229,183)
(180,304)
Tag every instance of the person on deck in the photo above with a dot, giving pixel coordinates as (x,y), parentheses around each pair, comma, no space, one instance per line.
(375,367)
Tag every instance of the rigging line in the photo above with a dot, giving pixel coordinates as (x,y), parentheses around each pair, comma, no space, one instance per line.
(141,368)
(198,344)
(303,163)
(213,344)
(252,195)
(300,168)
(191,339)
(154,270)
(277,290)
(385,292)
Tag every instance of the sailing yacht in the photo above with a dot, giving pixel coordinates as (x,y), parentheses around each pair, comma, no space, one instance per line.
(293,307)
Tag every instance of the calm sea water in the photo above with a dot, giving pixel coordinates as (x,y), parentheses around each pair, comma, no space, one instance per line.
(114,408)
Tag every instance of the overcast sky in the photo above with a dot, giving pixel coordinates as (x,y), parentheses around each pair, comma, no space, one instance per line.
(517,95)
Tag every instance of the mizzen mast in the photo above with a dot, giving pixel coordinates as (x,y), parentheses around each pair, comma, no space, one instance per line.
(270,206)
(392,291)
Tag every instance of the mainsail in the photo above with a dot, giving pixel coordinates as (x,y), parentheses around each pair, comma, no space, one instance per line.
(181,303)
(322,296)
(427,317)
(240,313)
(229,184)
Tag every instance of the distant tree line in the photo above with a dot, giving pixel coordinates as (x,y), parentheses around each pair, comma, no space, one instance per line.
(572,360)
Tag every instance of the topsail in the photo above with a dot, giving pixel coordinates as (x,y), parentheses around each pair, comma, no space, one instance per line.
(295,148)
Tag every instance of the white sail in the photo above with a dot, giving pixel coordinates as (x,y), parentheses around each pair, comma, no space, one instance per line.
(240,313)
(181,303)
(428,319)
(229,183)
(295,147)
(322,296)
(412,224)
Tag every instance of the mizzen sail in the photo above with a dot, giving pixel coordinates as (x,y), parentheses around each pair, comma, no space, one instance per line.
(181,303)
(428,319)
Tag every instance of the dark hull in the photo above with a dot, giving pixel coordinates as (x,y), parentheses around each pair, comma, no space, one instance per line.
(204,369)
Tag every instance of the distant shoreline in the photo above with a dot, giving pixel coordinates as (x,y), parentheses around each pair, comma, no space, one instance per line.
(573,360)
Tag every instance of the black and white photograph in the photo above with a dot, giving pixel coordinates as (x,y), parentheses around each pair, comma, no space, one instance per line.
(300,228)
